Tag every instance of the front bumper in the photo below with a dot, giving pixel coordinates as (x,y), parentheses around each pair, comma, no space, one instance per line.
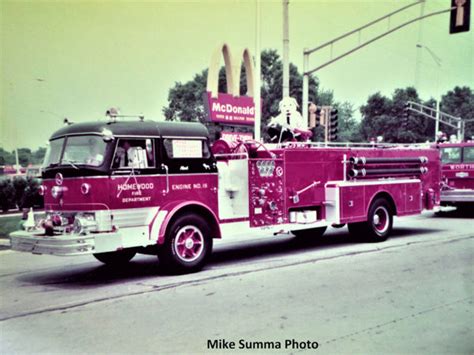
(458,195)
(62,245)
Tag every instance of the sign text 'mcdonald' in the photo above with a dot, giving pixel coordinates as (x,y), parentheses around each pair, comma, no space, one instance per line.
(226,108)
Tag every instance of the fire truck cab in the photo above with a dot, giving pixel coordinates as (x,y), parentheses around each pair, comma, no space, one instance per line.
(120,188)
(457,160)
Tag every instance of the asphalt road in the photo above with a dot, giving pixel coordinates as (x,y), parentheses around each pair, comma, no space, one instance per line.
(411,294)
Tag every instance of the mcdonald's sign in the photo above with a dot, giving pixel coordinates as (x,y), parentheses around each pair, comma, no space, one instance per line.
(230,107)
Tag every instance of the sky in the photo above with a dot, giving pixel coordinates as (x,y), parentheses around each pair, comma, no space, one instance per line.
(76,58)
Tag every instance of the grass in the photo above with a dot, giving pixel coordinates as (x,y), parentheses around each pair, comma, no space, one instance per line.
(8,225)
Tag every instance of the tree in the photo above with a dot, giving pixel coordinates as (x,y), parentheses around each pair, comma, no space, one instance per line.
(349,127)
(31,197)
(24,156)
(7,194)
(19,184)
(185,101)
(6,158)
(382,116)
(38,156)
(459,102)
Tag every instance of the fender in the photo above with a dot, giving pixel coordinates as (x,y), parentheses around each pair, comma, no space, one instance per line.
(162,218)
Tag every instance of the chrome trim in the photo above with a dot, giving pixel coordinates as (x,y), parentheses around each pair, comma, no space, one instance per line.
(165,192)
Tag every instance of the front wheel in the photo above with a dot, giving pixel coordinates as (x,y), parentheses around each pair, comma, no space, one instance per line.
(379,223)
(187,245)
(116,258)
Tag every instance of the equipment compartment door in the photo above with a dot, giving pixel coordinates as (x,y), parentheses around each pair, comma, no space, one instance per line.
(352,202)
(413,200)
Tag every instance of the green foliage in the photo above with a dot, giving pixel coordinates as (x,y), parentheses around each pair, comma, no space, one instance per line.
(19,193)
(25,156)
(7,194)
(349,127)
(382,116)
(20,184)
(6,158)
(459,102)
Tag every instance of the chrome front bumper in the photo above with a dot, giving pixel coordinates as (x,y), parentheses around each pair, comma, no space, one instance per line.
(62,245)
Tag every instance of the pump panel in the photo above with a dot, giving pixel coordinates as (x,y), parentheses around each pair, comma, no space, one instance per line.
(266,198)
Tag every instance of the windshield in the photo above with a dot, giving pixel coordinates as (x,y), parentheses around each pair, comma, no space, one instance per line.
(53,153)
(451,155)
(468,155)
(79,150)
(88,150)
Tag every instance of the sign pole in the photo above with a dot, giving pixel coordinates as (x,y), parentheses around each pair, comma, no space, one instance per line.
(286,51)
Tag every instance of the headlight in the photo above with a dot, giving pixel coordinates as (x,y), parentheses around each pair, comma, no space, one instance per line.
(84,223)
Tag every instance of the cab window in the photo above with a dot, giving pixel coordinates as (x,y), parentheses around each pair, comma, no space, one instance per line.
(451,155)
(468,155)
(134,153)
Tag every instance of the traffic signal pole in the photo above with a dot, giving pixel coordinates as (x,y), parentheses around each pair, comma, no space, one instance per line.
(307,72)
(440,117)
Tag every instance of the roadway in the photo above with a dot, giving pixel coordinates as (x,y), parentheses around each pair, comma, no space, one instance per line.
(410,294)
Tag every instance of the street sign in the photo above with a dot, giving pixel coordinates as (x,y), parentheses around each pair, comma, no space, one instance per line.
(460,16)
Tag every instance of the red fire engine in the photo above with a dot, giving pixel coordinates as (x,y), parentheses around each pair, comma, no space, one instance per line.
(457,161)
(120,188)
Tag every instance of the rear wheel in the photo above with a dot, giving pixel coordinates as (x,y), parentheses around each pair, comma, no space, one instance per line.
(120,257)
(379,223)
(187,245)
(310,233)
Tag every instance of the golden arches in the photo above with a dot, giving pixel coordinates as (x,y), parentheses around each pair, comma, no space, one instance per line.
(232,71)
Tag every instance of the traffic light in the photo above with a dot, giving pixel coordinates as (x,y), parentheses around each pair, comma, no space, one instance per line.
(314,112)
(333,125)
(405,114)
(460,16)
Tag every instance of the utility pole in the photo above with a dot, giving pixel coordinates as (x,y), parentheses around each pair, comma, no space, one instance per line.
(437,60)
(419,49)
(286,50)
(257,78)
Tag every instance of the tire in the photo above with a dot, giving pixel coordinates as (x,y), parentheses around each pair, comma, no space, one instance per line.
(187,245)
(379,223)
(116,258)
(310,233)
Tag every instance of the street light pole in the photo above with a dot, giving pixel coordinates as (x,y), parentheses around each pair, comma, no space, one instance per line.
(257,78)
(286,51)
(437,60)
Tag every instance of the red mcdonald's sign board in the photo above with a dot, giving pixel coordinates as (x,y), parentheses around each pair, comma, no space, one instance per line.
(226,108)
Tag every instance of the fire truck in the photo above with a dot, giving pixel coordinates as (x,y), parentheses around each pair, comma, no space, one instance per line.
(114,189)
(457,161)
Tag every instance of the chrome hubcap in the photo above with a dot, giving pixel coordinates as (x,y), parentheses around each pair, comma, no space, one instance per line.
(381,219)
(189,243)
